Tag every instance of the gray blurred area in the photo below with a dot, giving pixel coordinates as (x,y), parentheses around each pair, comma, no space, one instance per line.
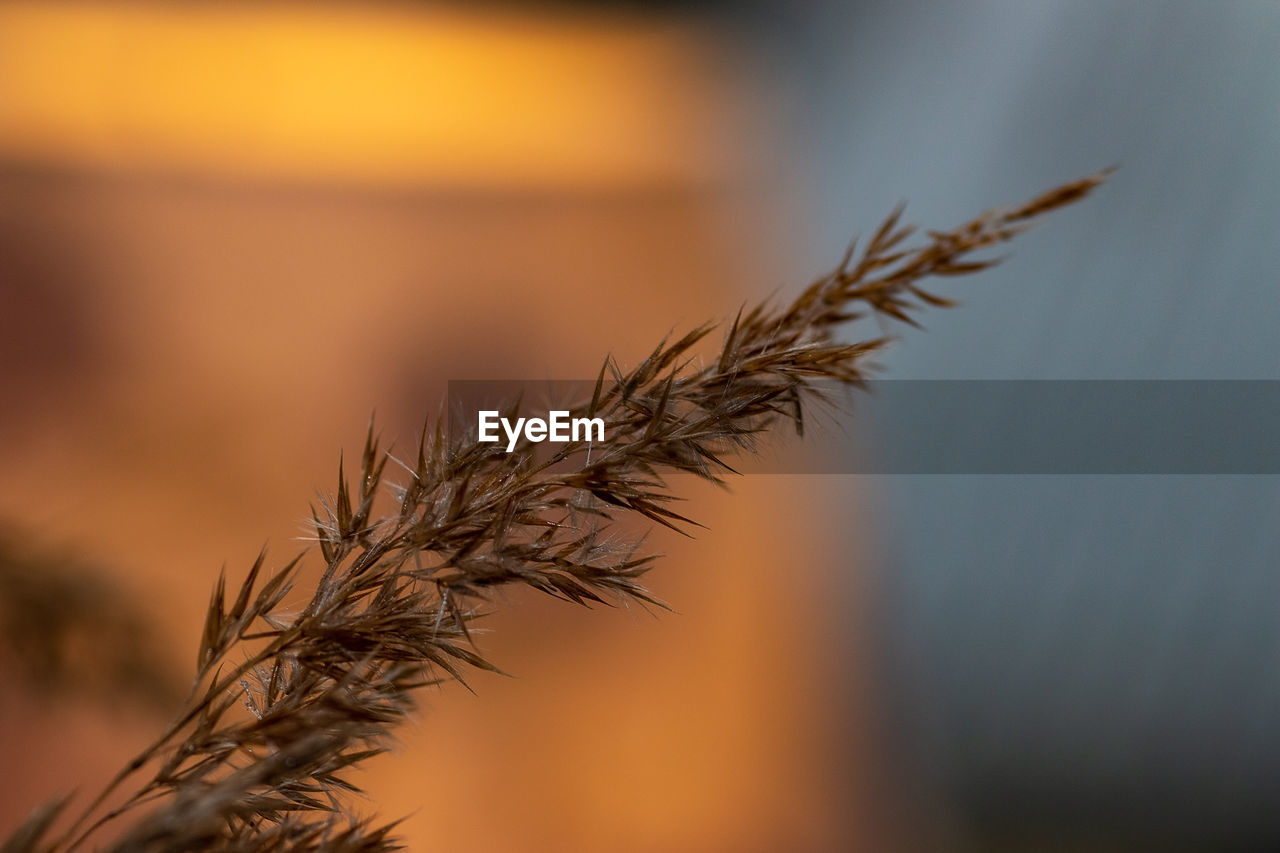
(1075,662)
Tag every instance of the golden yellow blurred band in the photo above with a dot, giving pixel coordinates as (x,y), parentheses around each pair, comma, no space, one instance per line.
(392,94)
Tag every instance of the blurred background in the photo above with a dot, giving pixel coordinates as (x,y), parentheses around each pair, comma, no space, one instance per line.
(229,232)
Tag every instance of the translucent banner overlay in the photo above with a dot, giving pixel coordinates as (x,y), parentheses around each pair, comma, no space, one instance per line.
(980,426)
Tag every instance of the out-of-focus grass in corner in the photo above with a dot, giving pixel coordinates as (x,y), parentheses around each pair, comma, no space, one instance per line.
(67,628)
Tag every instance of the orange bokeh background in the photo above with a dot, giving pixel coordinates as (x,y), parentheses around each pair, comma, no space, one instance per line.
(234,230)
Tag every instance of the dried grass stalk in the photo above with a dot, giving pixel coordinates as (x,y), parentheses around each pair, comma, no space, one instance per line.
(284,704)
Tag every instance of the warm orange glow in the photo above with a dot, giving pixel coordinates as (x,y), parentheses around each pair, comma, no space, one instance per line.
(386,94)
(224,336)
